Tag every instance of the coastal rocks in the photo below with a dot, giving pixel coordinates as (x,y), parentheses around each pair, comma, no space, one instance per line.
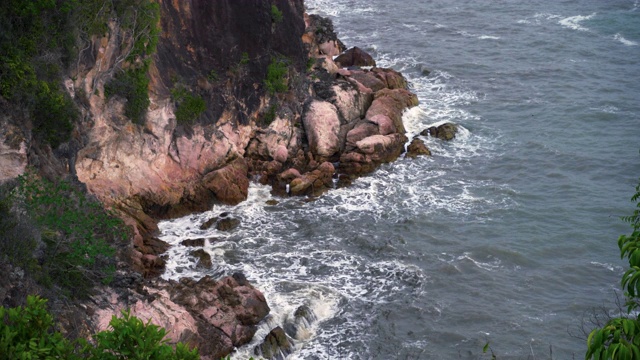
(417,148)
(446,131)
(355,57)
(391,103)
(275,346)
(193,242)
(230,184)
(322,127)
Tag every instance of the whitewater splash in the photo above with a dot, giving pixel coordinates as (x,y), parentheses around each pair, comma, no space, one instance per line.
(573,22)
(624,41)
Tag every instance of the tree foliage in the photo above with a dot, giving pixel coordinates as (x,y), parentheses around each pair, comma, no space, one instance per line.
(619,338)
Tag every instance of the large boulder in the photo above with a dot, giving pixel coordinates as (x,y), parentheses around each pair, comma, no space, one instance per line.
(276,345)
(322,126)
(392,103)
(355,57)
(230,184)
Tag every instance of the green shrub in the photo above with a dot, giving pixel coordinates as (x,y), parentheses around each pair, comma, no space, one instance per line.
(76,233)
(189,107)
(27,333)
(276,81)
(131,84)
(244,60)
(130,338)
(270,115)
(276,14)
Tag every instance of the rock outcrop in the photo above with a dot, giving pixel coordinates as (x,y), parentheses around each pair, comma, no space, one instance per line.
(214,316)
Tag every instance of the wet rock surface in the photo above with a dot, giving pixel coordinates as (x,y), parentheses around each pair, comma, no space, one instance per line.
(276,345)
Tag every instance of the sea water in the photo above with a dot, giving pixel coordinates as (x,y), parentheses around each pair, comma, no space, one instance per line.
(506,235)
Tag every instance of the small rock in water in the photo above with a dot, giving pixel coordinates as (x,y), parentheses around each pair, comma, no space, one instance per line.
(223,215)
(193,242)
(272,202)
(416,148)
(303,317)
(207,224)
(446,131)
(227,224)
(204,259)
(276,345)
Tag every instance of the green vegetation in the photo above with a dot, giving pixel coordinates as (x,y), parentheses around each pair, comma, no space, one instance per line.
(132,84)
(58,235)
(270,115)
(244,60)
(27,333)
(40,39)
(619,338)
(213,75)
(189,107)
(276,81)
(276,14)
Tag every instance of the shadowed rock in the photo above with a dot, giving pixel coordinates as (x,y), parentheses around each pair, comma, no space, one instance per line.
(193,242)
(204,259)
(355,57)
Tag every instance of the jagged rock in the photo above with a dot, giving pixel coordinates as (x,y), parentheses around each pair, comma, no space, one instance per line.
(446,131)
(371,152)
(313,182)
(276,345)
(13,151)
(322,126)
(355,57)
(391,78)
(193,242)
(362,130)
(227,224)
(385,124)
(417,148)
(204,259)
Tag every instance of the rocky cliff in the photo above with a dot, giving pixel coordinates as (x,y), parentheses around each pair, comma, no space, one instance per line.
(276,108)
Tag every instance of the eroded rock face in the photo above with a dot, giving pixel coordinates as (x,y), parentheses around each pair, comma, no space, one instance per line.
(13,151)
(322,126)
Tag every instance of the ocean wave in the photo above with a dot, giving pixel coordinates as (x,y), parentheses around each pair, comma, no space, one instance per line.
(573,22)
(621,39)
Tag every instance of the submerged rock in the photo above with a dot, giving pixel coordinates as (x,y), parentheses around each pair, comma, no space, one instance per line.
(298,327)
(193,242)
(227,224)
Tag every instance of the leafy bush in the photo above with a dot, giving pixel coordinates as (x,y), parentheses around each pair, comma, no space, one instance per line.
(276,81)
(130,338)
(189,107)
(619,338)
(76,233)
(270,115)
(276,14)
(27,333)
(131,84)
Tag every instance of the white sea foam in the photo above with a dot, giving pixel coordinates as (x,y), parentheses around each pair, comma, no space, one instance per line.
(488,37)
(621,39)
(573,22)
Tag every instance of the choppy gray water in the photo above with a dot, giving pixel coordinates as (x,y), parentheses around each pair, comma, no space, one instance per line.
(506,234)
